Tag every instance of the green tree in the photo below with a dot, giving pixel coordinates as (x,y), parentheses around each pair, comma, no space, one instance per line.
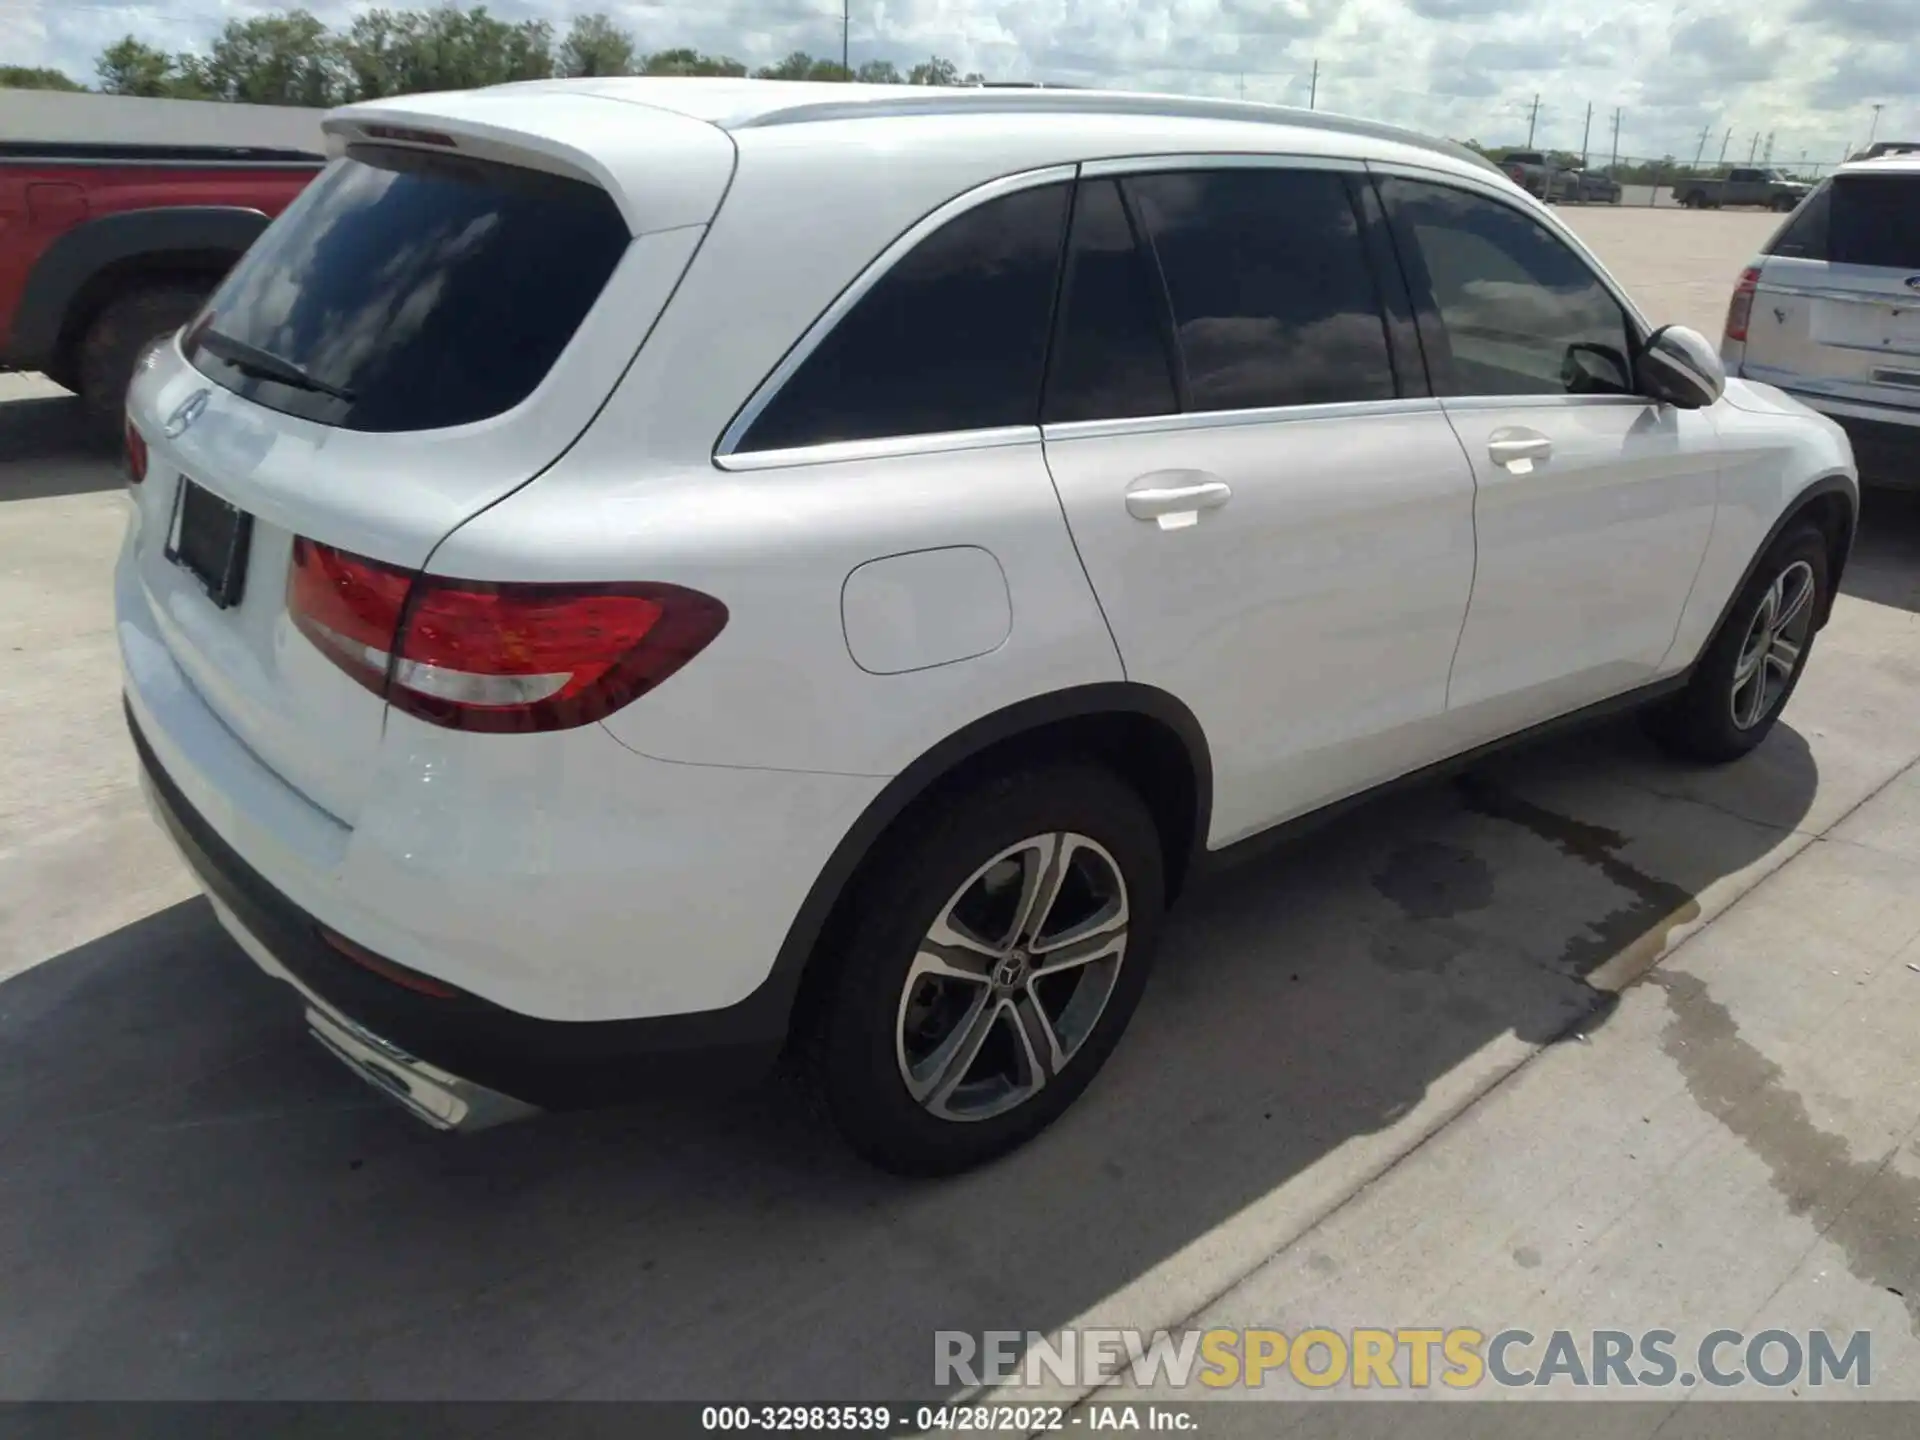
(405,52)
(128,67)
(938,71)
(878,72)
(802,66)
(27,77)
(287,59)
(596,46)
(690,62)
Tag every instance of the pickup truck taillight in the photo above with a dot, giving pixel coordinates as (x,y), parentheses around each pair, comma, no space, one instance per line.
(491,656)
(136,454)
(1741,310)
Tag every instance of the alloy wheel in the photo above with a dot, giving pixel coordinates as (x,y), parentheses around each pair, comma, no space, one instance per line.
(1012,978)
(1775,639)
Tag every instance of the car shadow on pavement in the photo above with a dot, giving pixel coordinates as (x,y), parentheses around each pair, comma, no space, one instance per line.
(46,450)
(1885,564)
(201,1204)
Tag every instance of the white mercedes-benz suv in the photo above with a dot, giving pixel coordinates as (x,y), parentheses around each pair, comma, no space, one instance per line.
(630,579)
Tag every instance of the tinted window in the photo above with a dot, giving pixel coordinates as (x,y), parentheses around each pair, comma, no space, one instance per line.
(1805,235)
(1273,301)
(435,290)
(1110,355)
(1513,310)
(1876,221)
(953,337)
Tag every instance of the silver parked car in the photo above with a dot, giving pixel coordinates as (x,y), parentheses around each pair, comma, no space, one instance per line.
(1830,312)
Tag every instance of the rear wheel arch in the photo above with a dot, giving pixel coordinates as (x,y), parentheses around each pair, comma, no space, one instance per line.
(1148,738)
(83,269)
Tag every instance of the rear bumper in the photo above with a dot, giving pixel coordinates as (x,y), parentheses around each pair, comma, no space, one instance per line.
(1886,442)
(1888,454)
(457,1062)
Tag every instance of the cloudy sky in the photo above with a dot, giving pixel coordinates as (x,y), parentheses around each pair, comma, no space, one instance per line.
(1807,71)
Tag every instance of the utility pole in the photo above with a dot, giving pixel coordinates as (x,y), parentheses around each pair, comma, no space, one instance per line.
(1313,88)
(846,22)
(1723,147)
(1753,150)
(1533,118)
(1243,84)
(1616,139)
(1874,129)
(1586,135)
(1705,131)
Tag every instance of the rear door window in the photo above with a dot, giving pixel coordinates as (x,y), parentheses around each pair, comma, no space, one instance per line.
(952,337)
(1273,297)
(412,290)
(1876,221)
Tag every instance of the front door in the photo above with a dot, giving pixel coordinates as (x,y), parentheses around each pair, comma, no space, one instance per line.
(1276,518)
(1594,505)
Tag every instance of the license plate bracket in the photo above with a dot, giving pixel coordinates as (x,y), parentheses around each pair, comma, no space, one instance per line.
(209,539)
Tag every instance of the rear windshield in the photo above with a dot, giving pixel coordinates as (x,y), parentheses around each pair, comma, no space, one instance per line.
(407,290)
(1875,221)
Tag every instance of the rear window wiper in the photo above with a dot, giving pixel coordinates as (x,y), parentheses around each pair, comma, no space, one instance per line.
(266,364)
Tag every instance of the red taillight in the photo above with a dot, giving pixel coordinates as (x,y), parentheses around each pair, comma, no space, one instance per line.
(1740,312)
(349,608)
(136,454)
(479,655)
(386,969)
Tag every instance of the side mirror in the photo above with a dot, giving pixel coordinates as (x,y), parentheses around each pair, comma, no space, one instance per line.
(1680,367)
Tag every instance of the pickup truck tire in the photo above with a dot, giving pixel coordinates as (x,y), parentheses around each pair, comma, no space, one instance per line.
(1783,203)
(122,329)
(1694,200)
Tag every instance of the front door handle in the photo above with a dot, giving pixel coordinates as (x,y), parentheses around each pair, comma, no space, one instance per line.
(1175,498)
(1517,449)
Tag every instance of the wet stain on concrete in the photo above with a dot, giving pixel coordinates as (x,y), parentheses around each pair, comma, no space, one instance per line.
(1868,1209)
(1658,907)
(1322,1263)
(1527,1258)
(1432,881)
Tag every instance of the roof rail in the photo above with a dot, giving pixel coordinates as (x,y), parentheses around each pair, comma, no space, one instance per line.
(997,101)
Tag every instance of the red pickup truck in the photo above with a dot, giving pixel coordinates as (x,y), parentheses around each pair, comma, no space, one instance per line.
(105,247)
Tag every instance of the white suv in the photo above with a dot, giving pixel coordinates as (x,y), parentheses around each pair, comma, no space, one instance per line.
(633,577)
(1830,312)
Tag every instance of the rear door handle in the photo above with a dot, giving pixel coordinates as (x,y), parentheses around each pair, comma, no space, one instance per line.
(1175,498)
(1517,449)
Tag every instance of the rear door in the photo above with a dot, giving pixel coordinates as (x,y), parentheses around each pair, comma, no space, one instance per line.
(418,335)
(1275,515)
(1593,504)
(1836,313)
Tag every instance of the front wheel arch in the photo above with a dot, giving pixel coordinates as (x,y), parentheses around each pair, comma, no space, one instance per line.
(1829,503)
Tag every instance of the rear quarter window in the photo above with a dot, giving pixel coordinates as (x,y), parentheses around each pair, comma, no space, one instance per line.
(418,291)
(1804,236)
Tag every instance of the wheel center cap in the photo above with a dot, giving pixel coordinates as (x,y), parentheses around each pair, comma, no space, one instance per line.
(1011,973)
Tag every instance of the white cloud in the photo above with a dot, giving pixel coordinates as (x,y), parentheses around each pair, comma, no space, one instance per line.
(1805,70)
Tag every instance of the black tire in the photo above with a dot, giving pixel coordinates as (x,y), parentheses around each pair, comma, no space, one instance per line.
(123,328)
(1700,723)
(856,1052)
